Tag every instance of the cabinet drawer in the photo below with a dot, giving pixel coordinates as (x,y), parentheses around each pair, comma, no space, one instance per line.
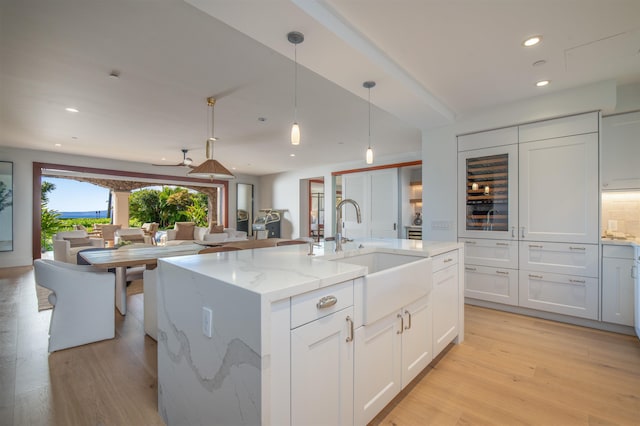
(444,260)
(562,294)
(492,284)
(497,253)
(560,258)
(559,127)
(619,252)
(308,307)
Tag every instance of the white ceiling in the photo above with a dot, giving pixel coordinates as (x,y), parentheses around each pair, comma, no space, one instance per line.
(434,61)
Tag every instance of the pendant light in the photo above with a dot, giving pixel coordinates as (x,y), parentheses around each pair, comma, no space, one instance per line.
(295,38)
(368,85)
(211,168)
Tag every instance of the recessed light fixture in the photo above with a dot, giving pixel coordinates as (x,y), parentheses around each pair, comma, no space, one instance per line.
(58,145)
(532,41)
(542,83)
(292,155)
(262,119)
(71,109)
(539,63)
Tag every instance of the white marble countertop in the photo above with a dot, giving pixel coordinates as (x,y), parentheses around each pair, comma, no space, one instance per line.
(281,272)
(635,242)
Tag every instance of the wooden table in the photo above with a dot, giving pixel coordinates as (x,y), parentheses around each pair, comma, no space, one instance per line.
(133,256)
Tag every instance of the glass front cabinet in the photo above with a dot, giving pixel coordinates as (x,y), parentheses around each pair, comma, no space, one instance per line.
(488,201)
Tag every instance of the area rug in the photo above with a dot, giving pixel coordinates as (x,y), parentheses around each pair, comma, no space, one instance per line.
(42,293)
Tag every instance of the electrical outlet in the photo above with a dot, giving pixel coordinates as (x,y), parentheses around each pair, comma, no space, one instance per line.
(440,225)
(207,321)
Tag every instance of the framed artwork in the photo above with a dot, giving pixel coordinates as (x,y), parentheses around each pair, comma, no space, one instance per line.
(6,206)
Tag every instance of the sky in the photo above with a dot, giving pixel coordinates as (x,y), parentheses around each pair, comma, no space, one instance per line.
(74,196)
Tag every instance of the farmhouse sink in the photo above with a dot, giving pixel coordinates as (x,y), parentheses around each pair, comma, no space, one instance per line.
(393,280)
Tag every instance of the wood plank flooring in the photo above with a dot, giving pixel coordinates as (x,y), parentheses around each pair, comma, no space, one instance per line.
(510,370)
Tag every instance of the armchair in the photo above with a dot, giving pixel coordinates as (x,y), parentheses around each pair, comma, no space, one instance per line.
(67,244)
(134,235)
(150,229)
(82,299)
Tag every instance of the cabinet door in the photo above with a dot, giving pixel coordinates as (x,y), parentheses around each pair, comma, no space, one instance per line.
(378,377)
(445,307)
(417,338)
(560,258)
(322,371)
(488,193)
(620,151)
(562,294)
(492,284)
(617,291)
(559,190)
(496,253)
(356,187)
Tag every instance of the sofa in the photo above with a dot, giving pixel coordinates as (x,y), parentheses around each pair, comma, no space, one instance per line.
(188,232)
(66,245)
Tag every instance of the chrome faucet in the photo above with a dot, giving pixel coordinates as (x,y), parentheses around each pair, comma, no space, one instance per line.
(338,237)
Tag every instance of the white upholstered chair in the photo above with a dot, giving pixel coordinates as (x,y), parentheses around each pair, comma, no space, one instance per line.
(66,245)
(132,235)
(83,303)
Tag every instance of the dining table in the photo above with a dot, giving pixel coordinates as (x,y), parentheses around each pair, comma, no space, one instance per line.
(133,256)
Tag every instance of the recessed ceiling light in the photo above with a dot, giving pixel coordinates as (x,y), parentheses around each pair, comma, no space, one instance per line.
(57,145)
(74,138)
(262,119)
(292,155)
(542,83)
(70,109)
(532,41)
(539,63)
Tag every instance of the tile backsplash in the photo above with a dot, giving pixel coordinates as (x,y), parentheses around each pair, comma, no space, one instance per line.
(621,210)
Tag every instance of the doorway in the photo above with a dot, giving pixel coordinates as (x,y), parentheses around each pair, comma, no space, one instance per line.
(316,208)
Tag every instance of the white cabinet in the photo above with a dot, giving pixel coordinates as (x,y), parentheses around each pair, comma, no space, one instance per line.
(563,294)
(558,181)
(445,300)
(376,193)
(322,359)
(620,151)
(550,181)
(498,285)
(618,277)
(389,354)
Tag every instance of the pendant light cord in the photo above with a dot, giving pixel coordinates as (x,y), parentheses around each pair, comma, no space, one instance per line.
(369,117)
(295,84)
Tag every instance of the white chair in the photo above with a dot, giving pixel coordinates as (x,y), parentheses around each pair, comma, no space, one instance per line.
(66,245)
(150,301)
(133,235)
(83,303)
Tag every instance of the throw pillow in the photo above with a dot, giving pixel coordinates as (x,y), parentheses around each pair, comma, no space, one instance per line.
(216,229)
(184,230)
(133,238)
(78,242)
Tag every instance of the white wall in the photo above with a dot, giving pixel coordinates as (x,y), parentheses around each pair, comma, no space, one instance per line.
(22,191)
(282,191)
(439,146)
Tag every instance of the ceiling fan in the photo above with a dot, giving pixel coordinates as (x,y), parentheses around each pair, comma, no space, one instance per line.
(186,161)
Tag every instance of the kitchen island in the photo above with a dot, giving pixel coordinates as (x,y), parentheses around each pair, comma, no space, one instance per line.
(267,336)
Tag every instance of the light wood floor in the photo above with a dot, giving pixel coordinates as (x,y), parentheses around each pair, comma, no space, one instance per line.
(510,370)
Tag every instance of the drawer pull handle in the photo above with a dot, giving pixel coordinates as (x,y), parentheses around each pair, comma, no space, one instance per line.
(326,302)
(513,230)
(577,248)
(577,281)
(401,324)
(535,276)
(350,336)
(535,246)
(470,242)
(448,260)
(502,244)
(408,325)
(467,268)
(502,272)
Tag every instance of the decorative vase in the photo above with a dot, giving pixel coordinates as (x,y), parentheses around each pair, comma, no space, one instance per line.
(418,219)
